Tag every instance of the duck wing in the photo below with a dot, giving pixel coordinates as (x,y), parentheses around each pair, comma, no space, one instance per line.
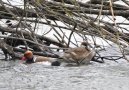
(77,53)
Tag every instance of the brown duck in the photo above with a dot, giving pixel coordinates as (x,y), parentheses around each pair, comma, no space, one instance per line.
(83,54)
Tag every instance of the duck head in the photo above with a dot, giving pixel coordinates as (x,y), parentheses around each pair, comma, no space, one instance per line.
(27,55)
(86,45)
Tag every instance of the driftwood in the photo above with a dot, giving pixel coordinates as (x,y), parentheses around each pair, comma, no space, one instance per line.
(26,33)
(11,51)
(75,17)
(7,49)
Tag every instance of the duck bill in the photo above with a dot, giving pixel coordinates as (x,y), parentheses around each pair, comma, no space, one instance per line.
(24,59)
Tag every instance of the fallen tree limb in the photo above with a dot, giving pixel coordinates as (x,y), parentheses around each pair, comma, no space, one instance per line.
(44,46)
(30,13)
(46,54)
(26,33)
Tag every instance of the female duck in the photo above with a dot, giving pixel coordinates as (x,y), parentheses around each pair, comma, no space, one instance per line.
(83,54)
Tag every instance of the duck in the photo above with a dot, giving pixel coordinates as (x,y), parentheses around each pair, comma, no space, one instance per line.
(83,54)
(29,58)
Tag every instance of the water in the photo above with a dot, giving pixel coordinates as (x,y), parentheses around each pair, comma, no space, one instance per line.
(108,76)
(95,76)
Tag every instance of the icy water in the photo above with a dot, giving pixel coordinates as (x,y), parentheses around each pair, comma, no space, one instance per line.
(14,76)
(95,76)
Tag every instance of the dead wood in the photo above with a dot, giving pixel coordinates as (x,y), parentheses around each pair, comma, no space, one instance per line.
(46,54)
(119,10)
(29,34)
(76,17)
(7,49)
(12,51)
